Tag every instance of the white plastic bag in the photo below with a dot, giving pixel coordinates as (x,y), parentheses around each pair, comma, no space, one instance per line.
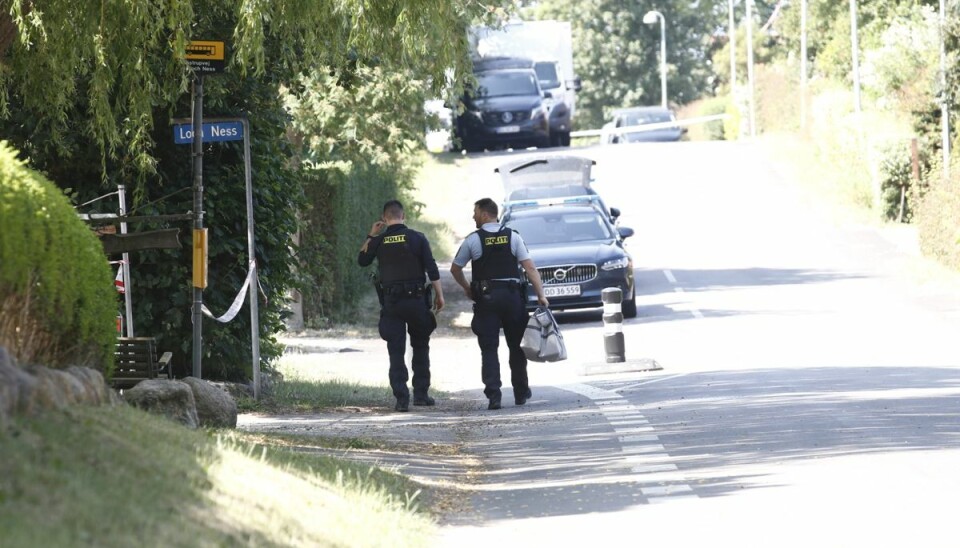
(542,341)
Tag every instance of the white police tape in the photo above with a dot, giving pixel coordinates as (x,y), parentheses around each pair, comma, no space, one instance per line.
(237,302)
(648,127)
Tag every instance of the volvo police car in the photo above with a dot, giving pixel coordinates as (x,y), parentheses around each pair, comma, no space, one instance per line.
(578,251)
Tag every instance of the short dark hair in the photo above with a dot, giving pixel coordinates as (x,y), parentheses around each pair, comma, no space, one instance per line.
(487,205)
(393,209)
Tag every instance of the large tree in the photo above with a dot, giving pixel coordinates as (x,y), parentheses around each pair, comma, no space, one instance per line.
(88,91)
(617,55)
(121,59)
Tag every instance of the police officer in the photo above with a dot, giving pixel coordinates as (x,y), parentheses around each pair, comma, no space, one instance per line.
(499,298)
(403,256)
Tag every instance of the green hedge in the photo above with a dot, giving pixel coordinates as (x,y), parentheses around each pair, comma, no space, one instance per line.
(343,206)
(57,301)
(937,215)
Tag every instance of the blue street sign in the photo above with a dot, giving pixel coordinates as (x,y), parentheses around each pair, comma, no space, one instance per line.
(212,132)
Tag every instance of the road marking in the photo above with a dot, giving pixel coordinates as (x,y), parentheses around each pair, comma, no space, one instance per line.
(654,448)
(651,381)
(670,278)
(663,490)
(650,468)
(674,498)
(639,445)
(639,438)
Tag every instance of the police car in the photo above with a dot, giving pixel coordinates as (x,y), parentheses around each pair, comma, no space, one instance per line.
(549,176)
(578,251)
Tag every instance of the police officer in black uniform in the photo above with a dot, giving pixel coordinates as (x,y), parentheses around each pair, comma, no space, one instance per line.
(499,298)
(403,256)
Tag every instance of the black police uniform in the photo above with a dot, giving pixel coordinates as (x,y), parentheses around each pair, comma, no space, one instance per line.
(500,303)
(403,255)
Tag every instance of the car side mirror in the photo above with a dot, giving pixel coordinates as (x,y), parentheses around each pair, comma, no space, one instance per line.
(575,84)
(547,95)
(614,212)
(625,232)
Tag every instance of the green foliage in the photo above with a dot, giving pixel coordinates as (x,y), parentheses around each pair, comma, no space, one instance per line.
(903,69)
(777,98)
(360,131)
(896,182)
(120,60)
(709,131)
(107,122)
(936,214)
(57,302)
(616,55)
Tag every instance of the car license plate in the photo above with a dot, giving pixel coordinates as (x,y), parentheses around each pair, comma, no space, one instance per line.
(508,129)
(561,290)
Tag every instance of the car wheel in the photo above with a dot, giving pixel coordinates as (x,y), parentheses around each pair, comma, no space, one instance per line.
(629,308)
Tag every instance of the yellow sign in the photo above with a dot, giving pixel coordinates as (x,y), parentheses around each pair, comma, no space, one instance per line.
(205,56)
(204,50)
(495,240)
(200,258)
(398,239)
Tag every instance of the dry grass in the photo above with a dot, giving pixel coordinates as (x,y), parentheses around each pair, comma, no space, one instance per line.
(120,477)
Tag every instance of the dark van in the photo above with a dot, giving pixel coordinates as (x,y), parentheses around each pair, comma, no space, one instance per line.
(506,109)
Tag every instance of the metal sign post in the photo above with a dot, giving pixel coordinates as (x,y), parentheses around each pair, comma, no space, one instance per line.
(234,129)
(197,225)
(204,57)
(125,266)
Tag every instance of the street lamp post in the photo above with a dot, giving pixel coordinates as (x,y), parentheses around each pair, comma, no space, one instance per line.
(650,18)
(855,53)
(944,107)
(803,64)
(733,46)
(753,110)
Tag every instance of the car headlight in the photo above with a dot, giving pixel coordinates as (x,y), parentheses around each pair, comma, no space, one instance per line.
(614,264)
(537,112)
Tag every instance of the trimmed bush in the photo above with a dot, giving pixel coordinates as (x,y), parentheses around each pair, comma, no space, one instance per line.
(57,301)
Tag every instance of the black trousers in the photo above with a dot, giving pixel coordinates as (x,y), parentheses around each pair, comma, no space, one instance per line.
(399,316)
(502,307)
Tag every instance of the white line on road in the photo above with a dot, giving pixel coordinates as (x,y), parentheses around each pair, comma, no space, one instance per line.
(636,384)
(669,276)
(642,452)
(664,490)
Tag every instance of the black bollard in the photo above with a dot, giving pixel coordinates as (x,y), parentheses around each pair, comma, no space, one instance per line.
(612,298)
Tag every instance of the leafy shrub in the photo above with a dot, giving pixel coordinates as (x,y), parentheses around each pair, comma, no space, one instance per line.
(896,178)
(57,302)
(937,215)
(711,131)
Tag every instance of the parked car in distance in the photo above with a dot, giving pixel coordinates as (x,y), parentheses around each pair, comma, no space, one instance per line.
(577,250)
(549,177)
(642,124)
(507,109)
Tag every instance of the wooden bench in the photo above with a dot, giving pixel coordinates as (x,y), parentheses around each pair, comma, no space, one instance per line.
(136,360)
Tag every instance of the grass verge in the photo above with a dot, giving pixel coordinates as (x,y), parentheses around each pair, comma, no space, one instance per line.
(121,477)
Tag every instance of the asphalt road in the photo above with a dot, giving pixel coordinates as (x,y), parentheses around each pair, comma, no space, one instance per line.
(809,390)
